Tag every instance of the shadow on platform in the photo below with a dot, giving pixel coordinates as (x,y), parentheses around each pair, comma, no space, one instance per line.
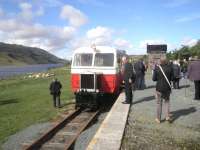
(8,101)
(145,99)
(182,112)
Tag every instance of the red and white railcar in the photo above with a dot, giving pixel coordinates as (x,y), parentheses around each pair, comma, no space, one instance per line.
(95,71)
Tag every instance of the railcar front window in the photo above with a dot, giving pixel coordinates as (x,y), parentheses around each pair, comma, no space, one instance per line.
(104,59)
(82,60)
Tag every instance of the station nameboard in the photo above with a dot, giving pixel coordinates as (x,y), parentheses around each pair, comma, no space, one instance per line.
(157,48)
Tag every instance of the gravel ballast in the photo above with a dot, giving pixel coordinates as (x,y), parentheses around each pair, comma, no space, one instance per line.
(27,135)
(33,132)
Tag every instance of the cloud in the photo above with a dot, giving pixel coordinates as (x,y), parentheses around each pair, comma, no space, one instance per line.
(101,35)
(50,3)
(41,3)
(74,16)
(170,46)
(47,37)
(97,3)
(176,3)
(25,6)
(99,32)
(26,11)
(10,25)
(1,12)
(21,29)
(122,44)
(188,18)
(189,42)
(141,47)
(143,44)
(40,11)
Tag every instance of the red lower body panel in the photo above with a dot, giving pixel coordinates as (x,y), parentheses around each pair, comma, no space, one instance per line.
(107,83)
(75,82)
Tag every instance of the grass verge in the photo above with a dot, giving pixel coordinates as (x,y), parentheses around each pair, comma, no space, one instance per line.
(24,102)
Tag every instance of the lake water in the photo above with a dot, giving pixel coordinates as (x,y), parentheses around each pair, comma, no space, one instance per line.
(7,71)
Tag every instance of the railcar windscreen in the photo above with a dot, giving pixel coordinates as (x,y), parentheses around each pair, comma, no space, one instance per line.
(104,59)
(83,59)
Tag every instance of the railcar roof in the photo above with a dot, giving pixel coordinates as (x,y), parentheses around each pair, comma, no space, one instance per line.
(103,49)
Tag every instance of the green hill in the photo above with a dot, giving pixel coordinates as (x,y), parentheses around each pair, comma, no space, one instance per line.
(12,54)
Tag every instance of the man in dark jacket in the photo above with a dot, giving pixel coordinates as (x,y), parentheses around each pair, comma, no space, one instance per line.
(194,75)
(140,73)
(163,87)
(55,90)
(177,74)
(128,79)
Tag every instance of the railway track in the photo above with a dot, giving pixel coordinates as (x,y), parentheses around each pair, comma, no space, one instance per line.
(63,135)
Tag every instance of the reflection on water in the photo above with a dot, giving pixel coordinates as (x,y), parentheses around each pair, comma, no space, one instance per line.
(8,71)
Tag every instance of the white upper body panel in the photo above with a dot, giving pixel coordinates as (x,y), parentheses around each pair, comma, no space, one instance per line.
(94,56)
(101,49)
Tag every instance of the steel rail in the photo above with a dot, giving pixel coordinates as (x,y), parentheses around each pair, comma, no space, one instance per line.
(68,144)
(49,135)
(51,132)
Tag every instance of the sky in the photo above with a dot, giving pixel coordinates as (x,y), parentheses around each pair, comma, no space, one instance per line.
(60,26)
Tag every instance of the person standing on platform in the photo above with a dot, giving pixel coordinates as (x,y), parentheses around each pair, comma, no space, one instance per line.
(163,74)
(128,80)
(140,73)
(184,67)
(55,90)
(177,74)
(194,75)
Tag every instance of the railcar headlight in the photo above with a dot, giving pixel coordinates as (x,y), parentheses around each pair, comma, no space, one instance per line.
(97,90)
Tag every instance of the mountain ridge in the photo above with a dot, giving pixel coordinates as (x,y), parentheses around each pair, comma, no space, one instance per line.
(13,54)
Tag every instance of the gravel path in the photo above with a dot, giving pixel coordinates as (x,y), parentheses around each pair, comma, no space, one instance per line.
(142,132)
(15,141)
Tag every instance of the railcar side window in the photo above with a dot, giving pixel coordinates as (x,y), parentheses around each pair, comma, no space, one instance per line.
(104,59)
(82,60)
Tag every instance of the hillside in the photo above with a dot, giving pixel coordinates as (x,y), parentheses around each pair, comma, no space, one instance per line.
(12,54)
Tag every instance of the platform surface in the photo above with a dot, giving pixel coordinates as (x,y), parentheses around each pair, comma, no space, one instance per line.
(110,133)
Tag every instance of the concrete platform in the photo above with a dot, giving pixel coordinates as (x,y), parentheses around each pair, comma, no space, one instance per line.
(110,133)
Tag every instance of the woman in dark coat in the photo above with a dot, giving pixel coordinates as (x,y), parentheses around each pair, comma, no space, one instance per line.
(163,89)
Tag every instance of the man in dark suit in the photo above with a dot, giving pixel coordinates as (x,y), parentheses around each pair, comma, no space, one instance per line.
(140,73)
(194,75)
(177,74)
(128,79)
(55,90)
